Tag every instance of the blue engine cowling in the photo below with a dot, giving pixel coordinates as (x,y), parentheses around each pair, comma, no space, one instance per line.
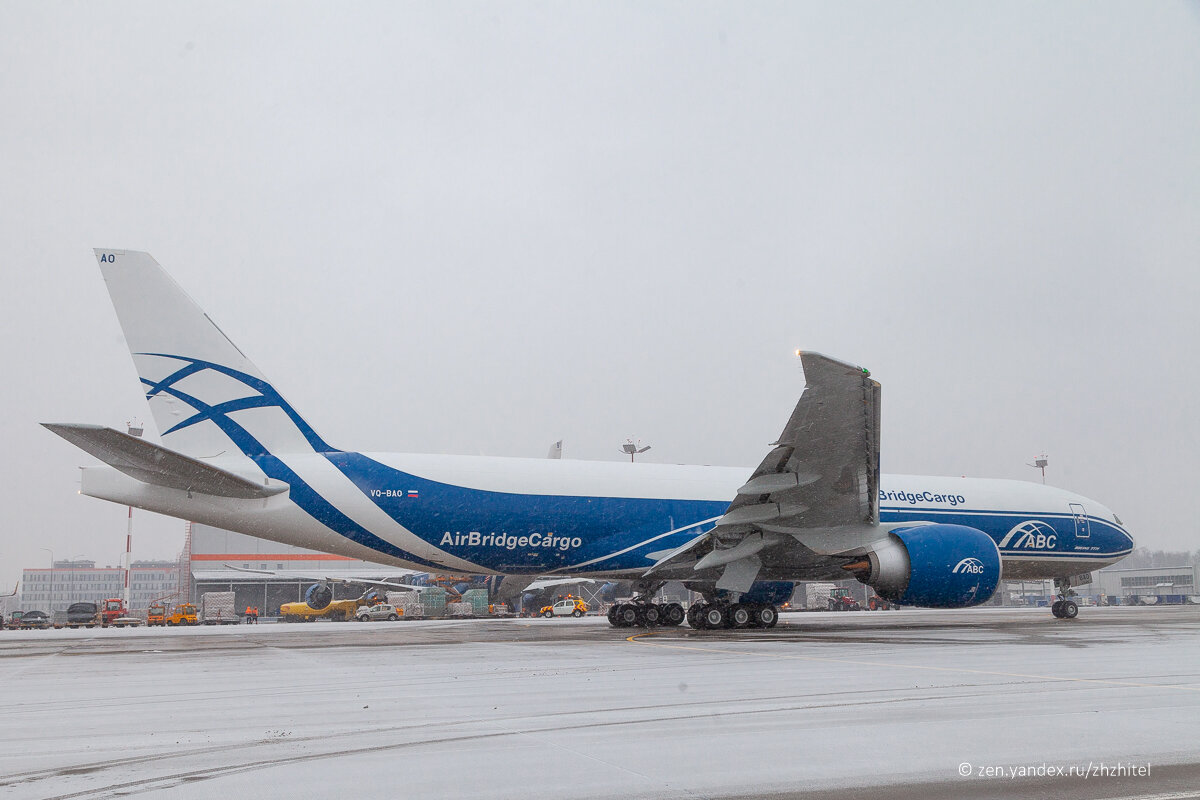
(936,566)
(319,596)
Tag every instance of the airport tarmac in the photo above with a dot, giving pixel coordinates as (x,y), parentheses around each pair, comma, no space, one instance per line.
(917,704)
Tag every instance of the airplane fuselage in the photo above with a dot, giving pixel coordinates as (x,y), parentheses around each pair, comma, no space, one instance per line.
(598,519)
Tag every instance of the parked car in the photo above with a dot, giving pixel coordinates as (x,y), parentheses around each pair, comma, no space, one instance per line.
(567,607)
(380,611)
(34,619)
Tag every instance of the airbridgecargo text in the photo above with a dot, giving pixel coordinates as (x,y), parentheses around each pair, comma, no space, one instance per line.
(912,498)
(509,541)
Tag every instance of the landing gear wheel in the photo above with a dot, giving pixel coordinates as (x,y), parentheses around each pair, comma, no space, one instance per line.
(693,616)
(1068,610)
(766,616)
(612,614)
(715,616)
(1056,608)
(740,616)
(672,614)
(627,615)
(649,616)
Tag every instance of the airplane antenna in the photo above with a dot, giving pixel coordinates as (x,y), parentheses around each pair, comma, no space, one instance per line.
(630,449)
(1040,463)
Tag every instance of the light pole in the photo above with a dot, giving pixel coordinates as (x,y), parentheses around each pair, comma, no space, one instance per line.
(630,449)
(1040,463)
(51,603)
(135,429)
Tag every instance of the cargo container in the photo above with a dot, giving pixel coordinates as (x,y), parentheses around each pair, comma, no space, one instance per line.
(478,599)
(433,599)
(816,596)
(217,608)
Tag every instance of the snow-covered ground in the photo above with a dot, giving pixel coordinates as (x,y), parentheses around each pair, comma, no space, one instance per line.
(572,708)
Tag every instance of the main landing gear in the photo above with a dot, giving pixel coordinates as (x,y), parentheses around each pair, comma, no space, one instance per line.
(701,616)
(1064,607)
(713,616)
(645,615)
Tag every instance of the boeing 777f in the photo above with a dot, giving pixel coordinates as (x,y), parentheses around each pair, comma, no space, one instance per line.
(236,455)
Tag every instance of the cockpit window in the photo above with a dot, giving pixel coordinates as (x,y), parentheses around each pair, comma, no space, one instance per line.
(1118,520)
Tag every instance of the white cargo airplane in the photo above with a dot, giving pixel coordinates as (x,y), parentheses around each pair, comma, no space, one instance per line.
(236,455)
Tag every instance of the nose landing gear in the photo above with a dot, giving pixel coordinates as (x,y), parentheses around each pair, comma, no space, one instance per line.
(1064,607)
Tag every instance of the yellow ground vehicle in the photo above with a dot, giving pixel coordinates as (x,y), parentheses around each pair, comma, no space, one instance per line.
(156,615)
(183,615)
(569,606)
(338,611)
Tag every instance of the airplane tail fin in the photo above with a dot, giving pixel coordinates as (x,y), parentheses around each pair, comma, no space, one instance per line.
(207,398)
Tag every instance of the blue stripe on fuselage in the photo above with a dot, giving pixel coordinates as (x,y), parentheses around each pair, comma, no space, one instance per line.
(601,526)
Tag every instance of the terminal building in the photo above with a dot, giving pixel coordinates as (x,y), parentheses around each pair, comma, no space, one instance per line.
(79,581)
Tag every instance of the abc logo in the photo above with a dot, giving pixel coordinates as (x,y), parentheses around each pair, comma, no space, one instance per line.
(969,566)
(1031,535)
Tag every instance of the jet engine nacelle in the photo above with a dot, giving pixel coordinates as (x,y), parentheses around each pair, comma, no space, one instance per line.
(937,566)
(319,596)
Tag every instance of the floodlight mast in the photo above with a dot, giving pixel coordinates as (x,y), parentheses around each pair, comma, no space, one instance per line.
(135,429)
(630,449)
(1040,463)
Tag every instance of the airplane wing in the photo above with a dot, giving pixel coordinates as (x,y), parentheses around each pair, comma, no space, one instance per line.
(814,495)
(154,464)
(329,578)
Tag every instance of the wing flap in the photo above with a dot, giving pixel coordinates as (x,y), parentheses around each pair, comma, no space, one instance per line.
(156,465)
(821,475)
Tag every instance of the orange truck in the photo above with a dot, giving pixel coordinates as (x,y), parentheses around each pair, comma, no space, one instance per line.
(184,614)
(111,609)
(156,615)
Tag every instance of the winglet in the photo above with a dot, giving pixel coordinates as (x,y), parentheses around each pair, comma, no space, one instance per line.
(817,366)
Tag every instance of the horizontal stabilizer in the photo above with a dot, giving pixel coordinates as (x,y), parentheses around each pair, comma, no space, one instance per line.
(153,464)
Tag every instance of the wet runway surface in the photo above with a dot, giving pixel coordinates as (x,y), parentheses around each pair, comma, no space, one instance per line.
(978,703)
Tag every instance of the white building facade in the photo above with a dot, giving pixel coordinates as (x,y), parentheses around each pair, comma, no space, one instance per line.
(80,581)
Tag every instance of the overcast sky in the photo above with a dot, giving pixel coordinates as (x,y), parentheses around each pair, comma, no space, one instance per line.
(479,228)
